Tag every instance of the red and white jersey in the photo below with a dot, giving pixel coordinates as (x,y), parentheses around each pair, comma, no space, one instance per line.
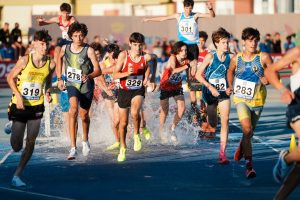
(64,29)
(202,55)
(135,80)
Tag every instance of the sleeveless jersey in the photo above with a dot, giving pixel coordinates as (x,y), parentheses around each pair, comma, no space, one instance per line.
(108,77)
(187,29)
(135,80)
(202,55)
(64,29)
(171,81)
(247,86)
(77,64)
(294,80)
(31,81)
(216,73)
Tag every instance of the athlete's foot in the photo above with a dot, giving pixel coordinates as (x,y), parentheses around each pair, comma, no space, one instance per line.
(114,146)
(122,155)
(282,169)
(250,173)
(17,182)
(147,134)
(137,146)
(223,160)
(86,148)
(238,155)
(73,153)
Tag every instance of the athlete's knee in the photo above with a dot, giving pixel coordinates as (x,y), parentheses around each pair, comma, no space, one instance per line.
(247,131)
(123,124)
(73,112)
(16,146)
(85,117)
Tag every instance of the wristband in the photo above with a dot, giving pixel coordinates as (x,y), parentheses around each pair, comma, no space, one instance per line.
(59,79)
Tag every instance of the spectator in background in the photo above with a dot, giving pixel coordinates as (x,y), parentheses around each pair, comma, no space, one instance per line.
(289,44)
(157,49)
(266,45)
(161,65)
(4,33)
(7,53)
(234,45)
(276,43)
(16,40)
(97,39)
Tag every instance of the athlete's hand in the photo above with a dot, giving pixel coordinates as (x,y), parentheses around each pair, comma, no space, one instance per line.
(109,92)
(84,78)
(264,80)
(229,91)
(61,85)
(287,96)
(20,104)
(214,91)
(145,82)
(40,19)
(48,97)
(151,85)
(130,70)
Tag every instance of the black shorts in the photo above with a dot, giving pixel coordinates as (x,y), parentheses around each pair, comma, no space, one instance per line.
(125,96)
(30,113)
(194,85)
(114,97)
(192,52)
(85,100)
(165,94)
(210,99)
(293,109)
(63,42)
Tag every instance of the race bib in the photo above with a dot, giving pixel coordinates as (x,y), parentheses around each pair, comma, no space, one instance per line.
(186,28)
(74,75)
(108,79)
(134,82)
(175,78)
(219,84)
(244,89)
(31,91)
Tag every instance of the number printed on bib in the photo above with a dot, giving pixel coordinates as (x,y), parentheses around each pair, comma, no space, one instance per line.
(175,78)
(219,84)
(31,91)
(134,82)
(74,75)
(186,28)
(244,89)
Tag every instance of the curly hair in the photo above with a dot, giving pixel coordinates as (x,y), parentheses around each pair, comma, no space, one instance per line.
(111,47)
(42,35)
(218,35)
(77,27)
(177,47)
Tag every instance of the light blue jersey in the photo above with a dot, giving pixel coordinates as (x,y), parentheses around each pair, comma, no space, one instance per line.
(187,29)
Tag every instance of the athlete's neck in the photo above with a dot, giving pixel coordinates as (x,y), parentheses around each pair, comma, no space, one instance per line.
(77,47)
(38,59)
(180,59)
(248,55)
(186,14)
(134,55)
(221,55)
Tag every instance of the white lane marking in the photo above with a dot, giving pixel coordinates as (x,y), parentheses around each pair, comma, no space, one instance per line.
(11,151)
(35,193)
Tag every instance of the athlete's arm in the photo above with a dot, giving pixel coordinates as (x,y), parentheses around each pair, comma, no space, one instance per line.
(160,19)
(267,61)
(58,69)
(11,80)
(42,21)
(48,84)
(153,58)
(120,63)
(172,65)
(206,15)
(230,74)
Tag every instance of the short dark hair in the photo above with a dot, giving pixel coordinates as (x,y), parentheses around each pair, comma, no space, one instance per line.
(97,47)
(203,34)
(177,47)
(250,33)
(111,47)
(187,3)
(76,27)
(116,53)
(42,35)
(137,38)
(218,35)
(65,7)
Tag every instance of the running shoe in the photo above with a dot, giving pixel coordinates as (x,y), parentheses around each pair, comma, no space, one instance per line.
(7,127)
(17,182)
(73,153)
(86,148)
(238,155)
(122,155)
(137,142)
(281,169)
(114,146)
(223,160)
(250,173)
(146,132)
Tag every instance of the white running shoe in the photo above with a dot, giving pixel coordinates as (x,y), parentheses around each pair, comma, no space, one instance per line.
(17,182)
(86,148)
(73,153)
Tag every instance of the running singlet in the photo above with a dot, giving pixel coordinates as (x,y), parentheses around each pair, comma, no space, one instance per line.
(108,77)
(171,81)
(77,64)
(187,29)
(247,86)
(135,80)
(31,81)
(64,29)
(216,73)
(294,80)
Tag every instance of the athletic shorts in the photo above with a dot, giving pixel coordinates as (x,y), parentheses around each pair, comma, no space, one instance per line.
(125,96)
(112,98)
(165,94)
(85,100)
(244,111)
(30,113)
(192,52)
(293,109)
(64,101)
(63,42)
(194,85)
(210,99)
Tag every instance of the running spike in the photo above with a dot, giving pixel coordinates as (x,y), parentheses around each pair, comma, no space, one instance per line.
(293,144)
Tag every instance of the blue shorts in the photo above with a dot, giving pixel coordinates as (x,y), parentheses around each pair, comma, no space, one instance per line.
(293,109)
(63,42)
(64,101)
(85,100)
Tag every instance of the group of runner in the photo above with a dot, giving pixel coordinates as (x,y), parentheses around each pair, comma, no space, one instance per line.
(123,76)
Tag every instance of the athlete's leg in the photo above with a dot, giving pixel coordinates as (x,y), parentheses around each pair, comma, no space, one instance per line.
(136,104)
(179,111)
(164,110)
(116,121)
(123,113)
(85,118)
(73,114)
(193,98)
(17,135)
(33,127)
(224,113)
